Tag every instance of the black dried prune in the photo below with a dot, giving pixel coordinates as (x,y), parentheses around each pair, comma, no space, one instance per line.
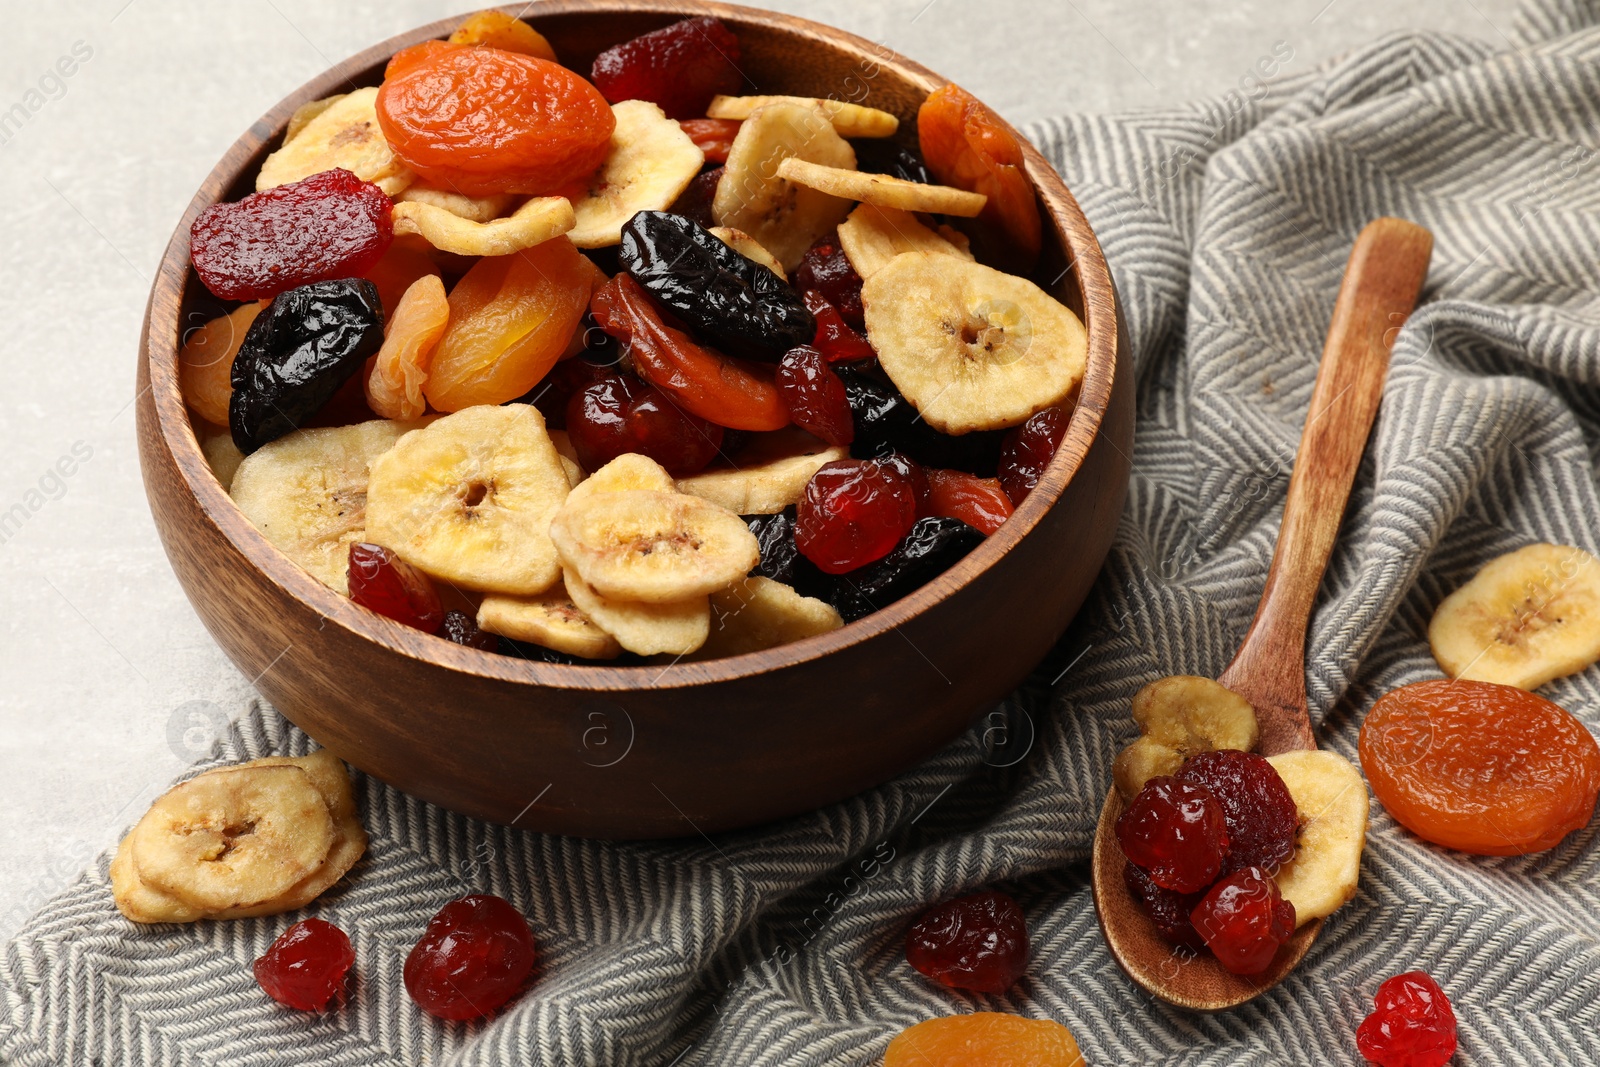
(297,354)
(462,629)
(931,547)
(779,553)
(886,422)
(694,203)
(732,301)
(885,157)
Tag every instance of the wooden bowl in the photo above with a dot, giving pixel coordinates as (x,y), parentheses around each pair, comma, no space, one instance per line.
(652,751)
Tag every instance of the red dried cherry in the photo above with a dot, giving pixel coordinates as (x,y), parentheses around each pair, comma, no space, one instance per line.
(618,414)
(1027,450)
(852,513)
(1176,831)
(1244,919)
(1261,815)
(678,67)
(826,269)
(462,629)
(835,339)
(473,957)
(1168,910)
(714,137)
(977,942)
(330,225)
(563,382)
(978,502)
(1413,1026)
(694,203)
(815,396)
(383,582)
(306,966)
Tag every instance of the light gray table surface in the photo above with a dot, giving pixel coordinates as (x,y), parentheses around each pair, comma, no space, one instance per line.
(105,663)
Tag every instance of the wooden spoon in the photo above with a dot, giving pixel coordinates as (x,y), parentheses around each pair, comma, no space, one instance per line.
(1381,282)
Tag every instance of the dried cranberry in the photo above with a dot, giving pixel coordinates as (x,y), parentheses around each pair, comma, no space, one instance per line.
(853,512)
(678,67)
(1261,815)
(1413,1026)
(620,413)
(473,957)
(694,203)
(835,339)
(1176,831)
(978,502)
(1027,450)
(1244,919)
(306,966)
(815,396)
(330,225)
(1168,910)
(383,582)
(463,630)
(977,942)
(826,269)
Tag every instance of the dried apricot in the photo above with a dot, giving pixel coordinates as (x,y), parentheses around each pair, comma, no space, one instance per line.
(205,362)
(394,385)
(984,1039)
(965,145)
(1479,767)
(483,120)
(510,320)
(496,29)
(406,260)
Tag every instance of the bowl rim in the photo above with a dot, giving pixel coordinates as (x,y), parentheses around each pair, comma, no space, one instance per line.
(161,336)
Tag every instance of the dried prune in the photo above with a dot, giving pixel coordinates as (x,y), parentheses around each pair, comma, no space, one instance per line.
(462,629)
(330,225)
(298,353)
(886,422)
(931,547)
(733,301)
(779,553)
(694,203)
(815,396)
(826,269)
(678,67)
(876,156)
(618,413)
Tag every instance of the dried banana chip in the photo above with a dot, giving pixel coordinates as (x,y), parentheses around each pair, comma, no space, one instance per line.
(874,235)
(471,208)
(533,223)
(849,120)
(550,619)
(882,189)
(344,134)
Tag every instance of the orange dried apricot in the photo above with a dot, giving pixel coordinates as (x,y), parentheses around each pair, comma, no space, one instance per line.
(984,1039)
(394,384)
(965,145)
(1479,767)
(496,29)
(510,320)
(406,260)
(205,362)
(483,120)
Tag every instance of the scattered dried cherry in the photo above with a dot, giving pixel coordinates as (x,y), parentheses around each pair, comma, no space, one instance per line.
(978,502)
(1176,831)
(1244,919)
(1028,449)
(298,353)
(826,269)
(815,396)
(977,942)
(619,413)
(694,203)
(775,534)
(852,513)
(305,967)
(462,629)
(473,957)
(1413,1024)
(1168,910)
(383,582)
(1260,814)
(714,137)
(330,225)
(834,337)
(966,145)
(931,547)
(678,67)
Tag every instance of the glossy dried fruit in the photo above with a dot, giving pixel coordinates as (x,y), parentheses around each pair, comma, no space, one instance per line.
(1479,767)
(694,203)
(815,396)
(885,422)
(496,29)
(297,354)
(473,957)
(619,414)
(381,581)
(826,269)
(205,362)
(853,512)
(462,629)
(984,1039)
(407,259)
(886,157)
(1260,814)
(1412,1025)
(1028,449)
(305,966)
(394,384)
(834,337)
(1168,910)
(712,136)
(511,318)
(733,301)
(978,502)
(1244,919)
(775,534)
(965,145)
(931,547)
(484,120)
(678,67)
(977,942)
(1176,831)
(704,382)
(330,225)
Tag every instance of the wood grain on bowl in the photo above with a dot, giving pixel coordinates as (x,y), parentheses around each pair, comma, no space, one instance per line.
(678,748)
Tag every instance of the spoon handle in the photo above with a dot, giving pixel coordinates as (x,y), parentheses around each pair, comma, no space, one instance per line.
(1381,282)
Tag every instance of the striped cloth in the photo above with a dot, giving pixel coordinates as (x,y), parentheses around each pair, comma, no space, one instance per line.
(1227,226)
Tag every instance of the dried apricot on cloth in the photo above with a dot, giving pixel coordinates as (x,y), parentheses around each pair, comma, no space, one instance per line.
(984,1039)
(1479,767)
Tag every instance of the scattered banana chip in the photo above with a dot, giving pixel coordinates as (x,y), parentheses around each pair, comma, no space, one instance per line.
(763,484)
(655,547)
(646,629)
(1178,717)
(307,492)
(749,248)
(849,120)
(784,217)
(344,134)
(652,160)
(757,613)
(1332,798)
(471,208)
(1525,618)
(533,223)
(874,235)
(550,619)
(882,189)
(469,499)
(628,471)
(306,112)
(970,347)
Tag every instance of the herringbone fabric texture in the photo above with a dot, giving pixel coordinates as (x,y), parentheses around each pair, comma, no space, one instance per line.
(1227,227)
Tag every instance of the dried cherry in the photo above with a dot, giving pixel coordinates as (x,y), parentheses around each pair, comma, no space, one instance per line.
(381,581)
(1260,814)
(568,377)
(678,67)
(305,966)
(835,338)
(815,396)
(694,203)
(931,547)
(977,942)
(978,502)
(1412,1025)
(1168,910)
(462,629)
(330,225)
(619,413)
(1176,831)
(826,269)
(1244,919)
(852,513)
(1028,449)
(712,136)
(779,553)
(473,957)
